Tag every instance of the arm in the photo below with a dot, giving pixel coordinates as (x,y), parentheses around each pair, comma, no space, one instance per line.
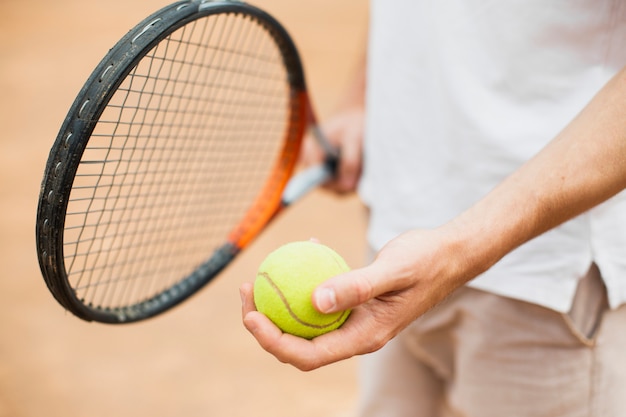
(583,166)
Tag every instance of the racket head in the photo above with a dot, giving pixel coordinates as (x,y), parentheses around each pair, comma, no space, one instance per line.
(149,190)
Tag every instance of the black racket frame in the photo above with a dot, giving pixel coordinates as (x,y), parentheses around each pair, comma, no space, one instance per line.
(74,134)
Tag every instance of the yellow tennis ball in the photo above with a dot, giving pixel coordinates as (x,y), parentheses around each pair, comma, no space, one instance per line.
(284,286)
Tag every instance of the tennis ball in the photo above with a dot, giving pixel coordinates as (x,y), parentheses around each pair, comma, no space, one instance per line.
(284,286)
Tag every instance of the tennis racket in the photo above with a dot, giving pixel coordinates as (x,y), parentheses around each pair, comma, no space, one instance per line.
(177,152)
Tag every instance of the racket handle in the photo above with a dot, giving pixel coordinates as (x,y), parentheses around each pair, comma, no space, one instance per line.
(306,180)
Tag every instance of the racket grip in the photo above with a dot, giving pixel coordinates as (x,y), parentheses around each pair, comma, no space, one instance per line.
(304,181)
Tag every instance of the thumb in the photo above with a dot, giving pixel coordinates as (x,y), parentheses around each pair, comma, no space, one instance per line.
(351,289)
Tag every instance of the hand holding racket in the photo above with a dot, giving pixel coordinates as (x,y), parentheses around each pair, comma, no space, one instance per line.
(344,130)
(177,152)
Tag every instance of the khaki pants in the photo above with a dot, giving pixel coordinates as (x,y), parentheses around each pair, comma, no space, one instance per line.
(481,355)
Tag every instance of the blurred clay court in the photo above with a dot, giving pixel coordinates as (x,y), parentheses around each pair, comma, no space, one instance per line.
(196,360)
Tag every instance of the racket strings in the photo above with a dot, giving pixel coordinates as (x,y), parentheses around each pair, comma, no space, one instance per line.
(175,160)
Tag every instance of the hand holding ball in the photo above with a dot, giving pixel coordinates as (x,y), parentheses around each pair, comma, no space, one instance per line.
(284,286)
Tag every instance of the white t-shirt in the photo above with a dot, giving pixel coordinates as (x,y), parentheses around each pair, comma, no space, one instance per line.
(460,94)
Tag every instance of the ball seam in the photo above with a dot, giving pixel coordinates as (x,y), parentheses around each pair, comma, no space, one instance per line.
(291,312)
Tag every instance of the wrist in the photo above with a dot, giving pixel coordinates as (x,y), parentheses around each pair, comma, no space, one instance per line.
(472,247)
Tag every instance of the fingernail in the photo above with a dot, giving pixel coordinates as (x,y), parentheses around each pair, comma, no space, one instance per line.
(326,300)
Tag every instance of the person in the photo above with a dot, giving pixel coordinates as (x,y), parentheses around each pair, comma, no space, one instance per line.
(488,141)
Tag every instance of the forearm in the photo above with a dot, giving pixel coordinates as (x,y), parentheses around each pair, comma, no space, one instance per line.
(583,166)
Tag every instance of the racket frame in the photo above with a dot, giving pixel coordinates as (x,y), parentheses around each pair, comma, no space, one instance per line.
(84,114)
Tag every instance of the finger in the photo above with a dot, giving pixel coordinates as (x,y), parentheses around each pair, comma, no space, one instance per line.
(261,327)
(352,289)
(247,298)
(310,154)
(343,343)
(349,167)
(285,347)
